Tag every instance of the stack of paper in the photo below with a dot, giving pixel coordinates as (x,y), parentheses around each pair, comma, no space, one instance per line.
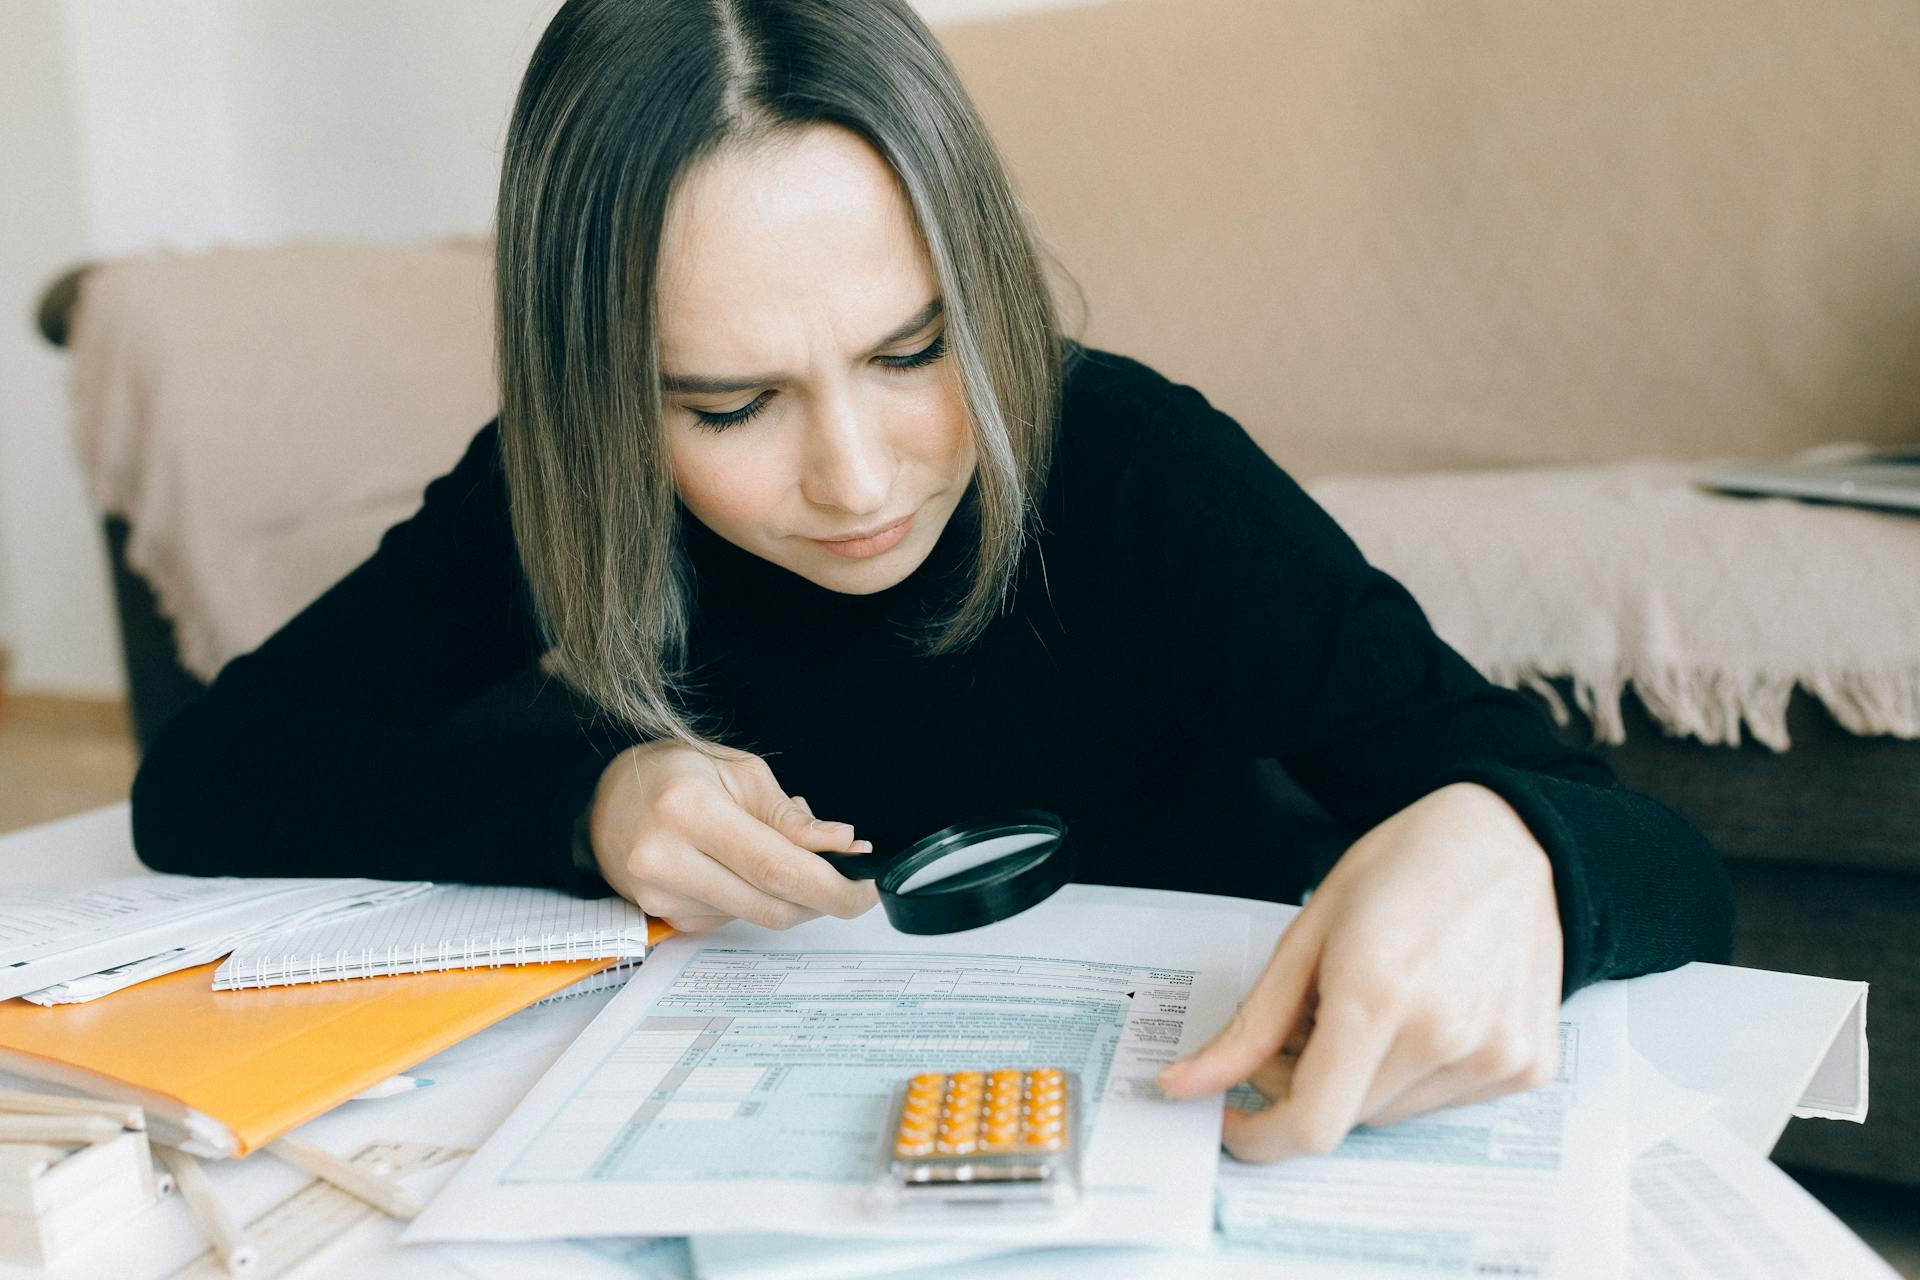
(224,1073)
(62,945)
(731,1092)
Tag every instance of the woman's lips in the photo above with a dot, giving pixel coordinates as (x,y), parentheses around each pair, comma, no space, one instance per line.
(862,546)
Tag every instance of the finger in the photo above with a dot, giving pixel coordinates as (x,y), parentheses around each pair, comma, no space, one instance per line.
(1263,1022)
(1464,1086)
(1541,1055)
(1273,1079)
(685,881)
(1510,1057)
(1330,1082)
(750,781)
(682,915)
(695,923)
(858,846)
(792,819)
(1437,1093)
(779,868)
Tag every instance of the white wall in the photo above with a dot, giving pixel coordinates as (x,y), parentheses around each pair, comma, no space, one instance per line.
(133,125)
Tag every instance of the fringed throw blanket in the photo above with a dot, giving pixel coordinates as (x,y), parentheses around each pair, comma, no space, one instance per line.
(1711,608)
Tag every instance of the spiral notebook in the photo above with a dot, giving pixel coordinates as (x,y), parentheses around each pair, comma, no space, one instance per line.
(445,927)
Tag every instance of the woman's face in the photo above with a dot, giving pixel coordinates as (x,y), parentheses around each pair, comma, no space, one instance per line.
(811,415)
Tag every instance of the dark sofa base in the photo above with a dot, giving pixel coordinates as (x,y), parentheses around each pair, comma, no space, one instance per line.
(1823,843)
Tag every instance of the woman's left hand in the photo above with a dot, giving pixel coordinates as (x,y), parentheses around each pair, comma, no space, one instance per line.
(1424,972)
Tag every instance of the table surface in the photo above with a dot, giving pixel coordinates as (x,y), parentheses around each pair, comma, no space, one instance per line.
(1749,1037)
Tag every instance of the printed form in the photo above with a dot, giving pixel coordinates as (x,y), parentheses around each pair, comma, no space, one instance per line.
(740,1082)
(1530,1186)
(1527,1187)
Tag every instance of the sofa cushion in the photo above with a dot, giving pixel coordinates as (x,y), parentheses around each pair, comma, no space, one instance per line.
(259,417)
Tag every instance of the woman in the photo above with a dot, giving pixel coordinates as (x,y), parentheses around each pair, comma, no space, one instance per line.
(798,488)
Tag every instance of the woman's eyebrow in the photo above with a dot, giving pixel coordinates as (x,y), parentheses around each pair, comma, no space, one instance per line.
(691,384)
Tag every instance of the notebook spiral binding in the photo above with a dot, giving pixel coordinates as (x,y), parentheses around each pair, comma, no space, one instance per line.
(421,958)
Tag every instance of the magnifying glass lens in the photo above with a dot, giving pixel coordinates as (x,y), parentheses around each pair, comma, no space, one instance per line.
(970,874)
(980,863)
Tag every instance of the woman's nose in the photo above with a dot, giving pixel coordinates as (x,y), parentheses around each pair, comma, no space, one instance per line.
(849,464)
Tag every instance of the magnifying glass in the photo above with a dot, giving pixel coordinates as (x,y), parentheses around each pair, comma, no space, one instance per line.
(971,873)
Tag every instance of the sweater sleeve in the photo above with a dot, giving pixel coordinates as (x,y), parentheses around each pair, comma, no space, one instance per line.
(329,751)
(1278,635)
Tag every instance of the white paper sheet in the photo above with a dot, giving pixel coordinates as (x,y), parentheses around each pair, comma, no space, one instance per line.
(1660,1108)
(51,936)
(304,907)
(740,1081)
(1838,1089)
(1706,1207)
(1754,1039)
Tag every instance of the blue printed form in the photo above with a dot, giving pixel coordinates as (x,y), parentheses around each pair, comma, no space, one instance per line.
(741,1082)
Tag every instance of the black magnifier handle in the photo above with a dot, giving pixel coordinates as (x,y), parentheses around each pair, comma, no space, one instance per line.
(973,895)
(863,866)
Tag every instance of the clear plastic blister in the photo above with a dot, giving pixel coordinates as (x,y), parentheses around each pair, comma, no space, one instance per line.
(981,1141)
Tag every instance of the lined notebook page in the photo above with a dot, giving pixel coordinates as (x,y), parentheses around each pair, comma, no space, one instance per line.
(446,927)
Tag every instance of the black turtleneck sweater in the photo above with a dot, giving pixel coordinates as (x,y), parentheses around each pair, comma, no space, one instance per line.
(1184,619)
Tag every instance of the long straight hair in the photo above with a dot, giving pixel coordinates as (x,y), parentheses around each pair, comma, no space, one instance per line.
(621,99)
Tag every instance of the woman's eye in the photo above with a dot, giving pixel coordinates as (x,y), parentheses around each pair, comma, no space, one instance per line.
(733,417)
(919,359)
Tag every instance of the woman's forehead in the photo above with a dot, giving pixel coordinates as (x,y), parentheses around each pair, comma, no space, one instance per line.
(803,239)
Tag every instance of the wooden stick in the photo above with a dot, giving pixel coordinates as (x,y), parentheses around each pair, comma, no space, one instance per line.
(390,1198)
(13,1101)
(235,1251)
(73,1131)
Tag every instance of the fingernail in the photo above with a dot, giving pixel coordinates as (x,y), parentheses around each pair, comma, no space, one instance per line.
(863,846)
(835,828)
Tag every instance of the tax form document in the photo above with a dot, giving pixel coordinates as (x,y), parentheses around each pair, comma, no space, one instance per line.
(740,1082)
(1528,1187)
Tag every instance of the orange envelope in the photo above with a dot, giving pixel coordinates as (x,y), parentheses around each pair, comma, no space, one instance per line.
(226,1072)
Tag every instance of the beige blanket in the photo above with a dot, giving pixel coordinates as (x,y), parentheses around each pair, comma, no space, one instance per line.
(261,416)
(1712,608)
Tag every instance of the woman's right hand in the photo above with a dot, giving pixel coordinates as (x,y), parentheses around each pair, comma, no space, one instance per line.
(696,841)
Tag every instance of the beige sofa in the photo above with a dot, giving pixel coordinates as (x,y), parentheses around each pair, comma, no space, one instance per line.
(1391,239)
(1399,238)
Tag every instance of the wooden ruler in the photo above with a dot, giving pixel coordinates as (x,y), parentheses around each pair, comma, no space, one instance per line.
(313,1219)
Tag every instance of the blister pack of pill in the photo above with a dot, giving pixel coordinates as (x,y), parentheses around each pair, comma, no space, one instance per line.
(978,1139)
